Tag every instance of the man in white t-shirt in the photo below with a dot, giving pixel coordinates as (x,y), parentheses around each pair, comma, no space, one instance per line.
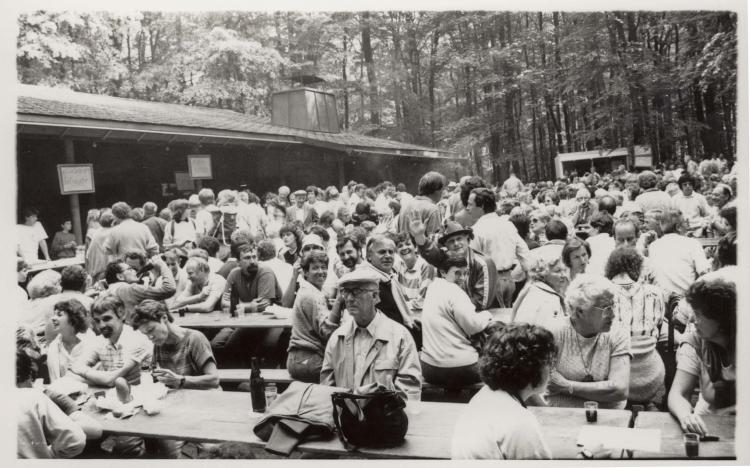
(31,237)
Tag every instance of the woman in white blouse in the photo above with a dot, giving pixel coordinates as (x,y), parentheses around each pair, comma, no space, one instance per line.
(70,321)
(541,301)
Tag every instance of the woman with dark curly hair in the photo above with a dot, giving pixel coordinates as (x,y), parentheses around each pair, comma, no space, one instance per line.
(292,239)
(707,357)
(70,321)
(639,309)
(515,365)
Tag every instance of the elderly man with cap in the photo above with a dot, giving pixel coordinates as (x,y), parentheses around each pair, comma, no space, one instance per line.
(497,239)
(481,282)
(370,349)
(301,211)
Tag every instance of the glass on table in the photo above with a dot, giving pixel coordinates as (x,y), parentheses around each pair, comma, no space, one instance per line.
(692,444)
(414,402)
(591,408)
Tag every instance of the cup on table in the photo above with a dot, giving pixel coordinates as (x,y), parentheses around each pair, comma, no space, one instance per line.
(692,443)
(414,402)
(591,408)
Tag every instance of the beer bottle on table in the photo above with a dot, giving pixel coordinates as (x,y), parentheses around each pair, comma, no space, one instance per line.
(257,388)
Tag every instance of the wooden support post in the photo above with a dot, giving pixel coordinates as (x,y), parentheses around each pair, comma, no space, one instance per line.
(75,208)
(342,175)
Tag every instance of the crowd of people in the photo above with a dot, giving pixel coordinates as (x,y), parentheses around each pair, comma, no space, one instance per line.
(610,292)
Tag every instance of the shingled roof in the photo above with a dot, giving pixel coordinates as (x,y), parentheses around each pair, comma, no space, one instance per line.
(37,102)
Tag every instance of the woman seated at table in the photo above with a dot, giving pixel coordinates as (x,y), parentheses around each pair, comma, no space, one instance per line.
(639,309)
(183,356)
(449,320)
(204,290)
(70,321)
(707,356)
(312,323)
(593,363)
(541,301)
(515,364)
(575,255)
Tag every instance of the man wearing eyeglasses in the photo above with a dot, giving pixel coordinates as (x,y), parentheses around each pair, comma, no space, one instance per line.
(370,349)
(123,282)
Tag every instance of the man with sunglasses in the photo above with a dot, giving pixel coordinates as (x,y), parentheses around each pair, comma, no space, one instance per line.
(370,349)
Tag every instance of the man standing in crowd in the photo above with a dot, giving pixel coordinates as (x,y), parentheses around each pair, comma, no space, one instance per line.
(497,239)
(124,284)
(96,257)
(32,237)
(154,223)
(301,211)
(481,282)
(651,198)
(120,351)
(512,185)
(424,206)
(370,349)
(128,234)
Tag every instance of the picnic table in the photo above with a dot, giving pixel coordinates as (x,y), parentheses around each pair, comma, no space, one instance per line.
(215,416)
(55,264)
(219,319)
(672,445)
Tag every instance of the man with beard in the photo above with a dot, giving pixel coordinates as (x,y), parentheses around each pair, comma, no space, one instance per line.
(481,281)
(250,289)
(120,351)
(349,252)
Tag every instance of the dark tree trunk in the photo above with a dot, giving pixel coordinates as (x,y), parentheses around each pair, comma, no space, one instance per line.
(371,77)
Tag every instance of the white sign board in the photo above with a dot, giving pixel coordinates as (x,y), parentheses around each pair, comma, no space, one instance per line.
(199,166)
(76,178)
(643,161)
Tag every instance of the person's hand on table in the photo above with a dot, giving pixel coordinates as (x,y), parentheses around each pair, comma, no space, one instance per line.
(728,411)
(256,305)
(693,423)
(594,451)
(70,245)
(167,377)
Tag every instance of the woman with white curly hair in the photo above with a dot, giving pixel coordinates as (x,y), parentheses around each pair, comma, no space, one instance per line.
(593,360)
(35,315)
(541,301)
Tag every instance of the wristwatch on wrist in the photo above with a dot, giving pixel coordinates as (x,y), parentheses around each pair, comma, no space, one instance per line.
(182,382)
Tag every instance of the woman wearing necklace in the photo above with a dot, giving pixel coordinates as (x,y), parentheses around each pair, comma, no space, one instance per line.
(515,366)
(71,323)
(593,360)
(707,356)
(639,309)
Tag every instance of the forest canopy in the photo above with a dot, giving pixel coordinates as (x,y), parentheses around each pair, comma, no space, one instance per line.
(510,89)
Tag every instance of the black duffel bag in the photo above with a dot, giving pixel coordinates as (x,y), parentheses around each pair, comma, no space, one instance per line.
(375,420)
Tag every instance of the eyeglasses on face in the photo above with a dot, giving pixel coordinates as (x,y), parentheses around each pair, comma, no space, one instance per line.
(356,292)
(609,309)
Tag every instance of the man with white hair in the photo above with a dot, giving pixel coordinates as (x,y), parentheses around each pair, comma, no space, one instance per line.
(204,292)
(283,198)
(585,209)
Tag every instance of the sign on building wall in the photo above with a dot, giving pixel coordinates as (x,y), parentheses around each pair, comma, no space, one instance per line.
(76,178)
(199,166)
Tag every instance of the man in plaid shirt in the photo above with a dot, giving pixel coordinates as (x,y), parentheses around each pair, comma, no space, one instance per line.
(120,351)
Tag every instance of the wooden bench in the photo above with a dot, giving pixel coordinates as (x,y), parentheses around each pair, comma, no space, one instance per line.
(282,377)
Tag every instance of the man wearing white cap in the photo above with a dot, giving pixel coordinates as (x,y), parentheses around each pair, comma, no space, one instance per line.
(370,349)
(301,211)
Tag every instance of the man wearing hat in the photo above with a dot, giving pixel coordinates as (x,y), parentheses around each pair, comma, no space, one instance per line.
(497,239)
(370,349)
(481,282)
(301,211)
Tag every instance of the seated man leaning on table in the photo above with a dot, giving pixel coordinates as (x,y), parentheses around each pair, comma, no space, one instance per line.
(119,352)
(203,293)
(383,351)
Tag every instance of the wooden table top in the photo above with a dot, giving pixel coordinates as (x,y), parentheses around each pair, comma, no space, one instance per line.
(672,445)
(216,416)
(52,264)
(221,320)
